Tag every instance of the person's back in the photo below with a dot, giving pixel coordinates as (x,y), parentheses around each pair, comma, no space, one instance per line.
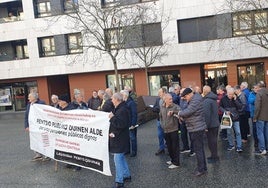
(261,105)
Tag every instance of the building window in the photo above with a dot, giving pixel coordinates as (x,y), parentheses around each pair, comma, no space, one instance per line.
(134,36)
(197,29)
(247,23)
(21,51)
(114,38)
(70,5)
(251,73)
(74,43)
(158,80)
(47,46)
(43,8)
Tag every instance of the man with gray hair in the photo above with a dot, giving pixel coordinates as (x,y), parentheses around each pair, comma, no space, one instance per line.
(33,99)
(119,139)
(132,106)
(261,118)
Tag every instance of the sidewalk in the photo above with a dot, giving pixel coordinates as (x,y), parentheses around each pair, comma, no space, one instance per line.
(148,171)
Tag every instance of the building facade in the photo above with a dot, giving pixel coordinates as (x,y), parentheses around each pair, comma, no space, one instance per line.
(208,46)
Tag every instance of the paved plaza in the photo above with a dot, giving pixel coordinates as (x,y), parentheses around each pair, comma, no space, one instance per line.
(148,171)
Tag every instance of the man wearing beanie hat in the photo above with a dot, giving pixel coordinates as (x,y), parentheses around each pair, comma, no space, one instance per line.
(194,117)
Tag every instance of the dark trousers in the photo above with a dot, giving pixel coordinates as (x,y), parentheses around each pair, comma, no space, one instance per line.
(184,136)
(212,135)
(172,141)
(197,138)
(244,126)
(133,141)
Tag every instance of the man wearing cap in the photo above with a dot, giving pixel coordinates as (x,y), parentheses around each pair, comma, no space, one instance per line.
(195,123)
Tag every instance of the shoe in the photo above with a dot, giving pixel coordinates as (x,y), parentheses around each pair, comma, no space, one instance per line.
(230,148)
(127,179)
(191,154)
(172,166)
(239,150)
(185,151)
(263,152)
(37,158)
(118,185)
(44,159)
(169,162)
(160,151)
(197,173)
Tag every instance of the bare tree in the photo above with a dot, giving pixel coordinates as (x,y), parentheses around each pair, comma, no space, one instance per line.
(151,48)
(105,29)
(250,20)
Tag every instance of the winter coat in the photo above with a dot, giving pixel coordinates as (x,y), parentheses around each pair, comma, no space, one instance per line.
(82,106)
(261,105)
(246,92)
(211,110)
(168,123)
(108,106)
(242,98)
(156,107)
(94,103)
(194,114)
(231,105)
(132,106)
(251,101)
(26,119)
(119,126)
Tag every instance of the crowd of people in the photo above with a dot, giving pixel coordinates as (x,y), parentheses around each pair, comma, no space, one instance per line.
(122,109)
(186,114)
(198,113)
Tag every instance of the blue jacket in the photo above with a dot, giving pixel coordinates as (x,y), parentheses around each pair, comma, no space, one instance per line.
(132,106)
(247,92)
(26,119)
(251,101)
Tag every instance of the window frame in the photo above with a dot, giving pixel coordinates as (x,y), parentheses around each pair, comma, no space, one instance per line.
(47,12)
(52,49)
(78,43)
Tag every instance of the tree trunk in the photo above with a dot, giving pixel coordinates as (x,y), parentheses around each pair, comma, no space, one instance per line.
(117,85)
(147,80)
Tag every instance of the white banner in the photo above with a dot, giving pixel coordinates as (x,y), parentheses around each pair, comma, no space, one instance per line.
(77,137)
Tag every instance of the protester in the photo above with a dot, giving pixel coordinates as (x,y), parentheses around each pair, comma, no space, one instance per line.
(107,101)
(54,100)
(78,102)
(132,94)
(245,90)
(195,123)
(243,118)
(132,106)
(64,105)
(183,129)
(212,122)
(230,105)
(33,99)
(95,101)
(169,123)
(251,101)
(160,132)
(119,139)
(261,118)
(220,94)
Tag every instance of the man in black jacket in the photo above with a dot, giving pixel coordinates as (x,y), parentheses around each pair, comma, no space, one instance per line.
(119,139)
